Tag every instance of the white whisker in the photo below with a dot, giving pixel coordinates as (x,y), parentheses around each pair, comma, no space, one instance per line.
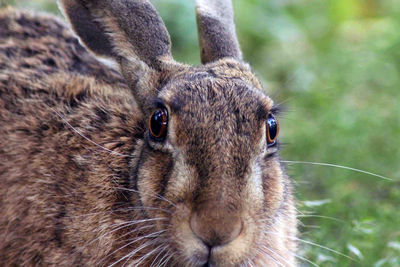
(336,166)
(154,194)
(159,253)
(132,253)
(118,210)
(271,257)
(167,260)
(313,244)
(304,259)
(130,243)
(121,226)
(140,260)
(276,254)
(323,247)
(133,231)
(250,263)
(163,257)
(321,216)
(85,137)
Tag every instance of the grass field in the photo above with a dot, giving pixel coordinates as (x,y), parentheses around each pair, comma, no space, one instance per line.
(335,66)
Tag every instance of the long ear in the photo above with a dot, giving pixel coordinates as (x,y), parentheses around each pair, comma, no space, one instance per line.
(86,27)
(130,31)
(217,35)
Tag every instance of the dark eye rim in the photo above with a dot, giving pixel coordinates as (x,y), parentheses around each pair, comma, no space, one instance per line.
(164,126)
(270,141)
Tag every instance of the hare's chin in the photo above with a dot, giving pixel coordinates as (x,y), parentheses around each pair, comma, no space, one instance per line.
(230,254)
(196,253)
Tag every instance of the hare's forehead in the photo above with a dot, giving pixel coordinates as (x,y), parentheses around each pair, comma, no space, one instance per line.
(217,116)
(204,97)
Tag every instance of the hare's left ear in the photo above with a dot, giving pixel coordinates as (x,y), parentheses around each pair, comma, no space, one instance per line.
(130,31)
(216,28)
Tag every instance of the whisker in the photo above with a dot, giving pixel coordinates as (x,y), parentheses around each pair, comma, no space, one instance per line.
(321,216)
(144,208)
(323,247)
(250,263)
(163,257)
(133,231)
(337,166)
(130,243)
(271,257)
(133,222)
(266,220)
(276,254)
(156,257)
(313,244)
(158,196)
(298,211)
(304,259)
(121,226)
(119,210)
(167,260)
(155,194)
(149,254)
(85,137)
(132,253)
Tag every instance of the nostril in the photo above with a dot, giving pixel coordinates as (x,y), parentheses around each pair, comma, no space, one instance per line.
(215,231)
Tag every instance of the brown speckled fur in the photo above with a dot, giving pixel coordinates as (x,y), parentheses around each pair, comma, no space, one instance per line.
(82,183)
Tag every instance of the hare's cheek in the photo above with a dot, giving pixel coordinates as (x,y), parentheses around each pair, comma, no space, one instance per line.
(273,182)
(152,176)
(253,198)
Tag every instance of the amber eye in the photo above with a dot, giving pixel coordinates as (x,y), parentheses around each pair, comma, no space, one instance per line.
(272,130)
(158,124)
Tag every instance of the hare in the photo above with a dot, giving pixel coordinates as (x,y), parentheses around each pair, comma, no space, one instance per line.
(152,163)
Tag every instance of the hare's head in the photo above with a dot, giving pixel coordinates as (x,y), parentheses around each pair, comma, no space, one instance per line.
(208,159)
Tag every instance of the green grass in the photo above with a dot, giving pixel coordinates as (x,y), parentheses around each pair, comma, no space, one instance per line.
(335,64)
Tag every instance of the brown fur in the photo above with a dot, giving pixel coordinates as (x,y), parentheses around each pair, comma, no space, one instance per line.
(83,184)
(217,35)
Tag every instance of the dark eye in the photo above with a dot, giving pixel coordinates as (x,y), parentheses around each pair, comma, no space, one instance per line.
(272,130)
(158,124)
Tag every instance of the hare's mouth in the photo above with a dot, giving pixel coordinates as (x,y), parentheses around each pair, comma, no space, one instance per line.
(250,244)
(239,253)
(199,242)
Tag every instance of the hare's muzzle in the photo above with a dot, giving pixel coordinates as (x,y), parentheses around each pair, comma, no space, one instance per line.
(214,227)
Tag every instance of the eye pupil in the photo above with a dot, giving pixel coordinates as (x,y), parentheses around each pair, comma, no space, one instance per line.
(158,123)
(272,129)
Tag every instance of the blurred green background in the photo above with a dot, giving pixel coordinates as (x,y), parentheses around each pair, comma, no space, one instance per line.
(335,65)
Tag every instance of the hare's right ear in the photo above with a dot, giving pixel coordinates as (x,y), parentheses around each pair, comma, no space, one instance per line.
(216,27)
(130,31)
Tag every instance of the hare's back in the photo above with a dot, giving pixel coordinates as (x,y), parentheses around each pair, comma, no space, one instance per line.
(47,82)
(60,110)
(35,48)
(44,70)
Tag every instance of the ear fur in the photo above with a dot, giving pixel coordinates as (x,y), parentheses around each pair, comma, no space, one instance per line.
(130,31)
(216,27)
(127,28)
(86,27)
